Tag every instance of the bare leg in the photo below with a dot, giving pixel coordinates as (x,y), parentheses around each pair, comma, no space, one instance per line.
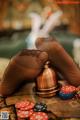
(60,59)
(25,66)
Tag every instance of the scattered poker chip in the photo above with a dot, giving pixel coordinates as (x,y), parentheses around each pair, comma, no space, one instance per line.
(24,114)
(39,116)
(68,89)
(22,104)
(40,107)
(67,92)
(66,96)
(28,107)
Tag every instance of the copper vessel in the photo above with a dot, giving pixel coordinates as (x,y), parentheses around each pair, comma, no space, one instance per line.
(46,83)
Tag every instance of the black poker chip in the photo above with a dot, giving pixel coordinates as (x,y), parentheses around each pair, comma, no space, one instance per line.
(40,107)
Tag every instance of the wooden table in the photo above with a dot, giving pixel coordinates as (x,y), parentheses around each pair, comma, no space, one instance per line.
(56,107)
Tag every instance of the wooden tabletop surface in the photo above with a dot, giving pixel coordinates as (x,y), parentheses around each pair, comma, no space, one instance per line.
(56,107)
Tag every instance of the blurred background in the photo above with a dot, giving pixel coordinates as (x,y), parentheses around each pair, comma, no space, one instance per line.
(15,24)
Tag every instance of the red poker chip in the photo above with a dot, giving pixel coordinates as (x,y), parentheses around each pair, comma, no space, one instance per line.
(28,107)
(68,89)
(39,116)
(22,104)
(24,114)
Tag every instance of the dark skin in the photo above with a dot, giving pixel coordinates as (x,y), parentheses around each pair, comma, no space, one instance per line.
(60,59)
(24,67)
(28,64)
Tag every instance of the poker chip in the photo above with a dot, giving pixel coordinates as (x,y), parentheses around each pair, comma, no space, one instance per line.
(24,114)
(28,107)
(66,96)
(40,107)
(22,104)
(67,92)
(68,89)
(39,116)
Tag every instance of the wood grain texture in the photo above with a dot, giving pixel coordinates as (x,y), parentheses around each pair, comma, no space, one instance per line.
(61,108)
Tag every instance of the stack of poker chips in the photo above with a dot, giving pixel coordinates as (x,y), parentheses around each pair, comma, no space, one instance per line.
(67,92)
(24,109)
(31,111)
(46,83)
